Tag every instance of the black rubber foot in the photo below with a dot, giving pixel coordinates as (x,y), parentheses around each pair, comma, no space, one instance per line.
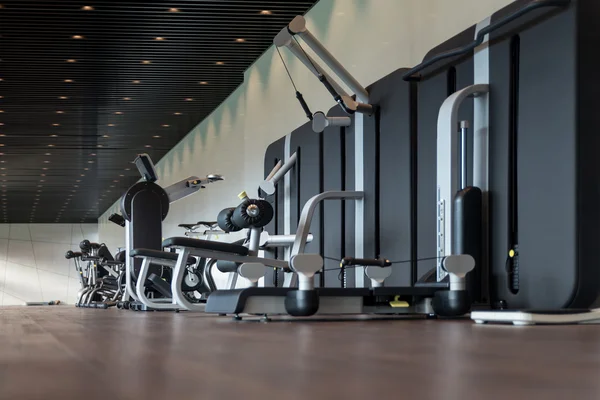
(266,318)
(451,303)
(237,318)
(302,303)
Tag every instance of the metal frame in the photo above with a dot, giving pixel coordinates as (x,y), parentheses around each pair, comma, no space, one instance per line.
(321,121)
(158,304)
(305,221)
(279,171)
(447,162)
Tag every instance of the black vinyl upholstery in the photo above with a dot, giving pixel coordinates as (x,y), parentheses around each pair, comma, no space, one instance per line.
(165,255)
(206,245)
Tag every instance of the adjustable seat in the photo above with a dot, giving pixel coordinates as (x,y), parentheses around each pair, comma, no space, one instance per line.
(206,245)
(156,256)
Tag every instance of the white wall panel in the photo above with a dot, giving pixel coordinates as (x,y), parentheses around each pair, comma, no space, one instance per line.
(19,232)
(37,270)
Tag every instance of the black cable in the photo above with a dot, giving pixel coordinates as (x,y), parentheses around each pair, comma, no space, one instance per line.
(392,262)
(286,68)
(308,58)
(321,76)
(299,96)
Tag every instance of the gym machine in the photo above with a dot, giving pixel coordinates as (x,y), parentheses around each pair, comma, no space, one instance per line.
(102,277)
(144,206)
(240,258)
(356,106)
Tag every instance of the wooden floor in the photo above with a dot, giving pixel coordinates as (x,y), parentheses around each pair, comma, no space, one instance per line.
(68,353)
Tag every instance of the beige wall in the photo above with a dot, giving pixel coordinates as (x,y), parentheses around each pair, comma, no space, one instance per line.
(370,37)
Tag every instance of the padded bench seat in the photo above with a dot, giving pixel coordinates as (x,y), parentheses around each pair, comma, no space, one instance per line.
(165,255)
(207,224)
(206,245)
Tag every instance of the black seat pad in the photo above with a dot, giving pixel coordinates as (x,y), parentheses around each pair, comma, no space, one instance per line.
(206,245)
(120,257)
(165,255)
(187,226)
(208,224)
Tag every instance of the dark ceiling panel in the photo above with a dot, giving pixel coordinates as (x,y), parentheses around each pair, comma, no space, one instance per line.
(84,87)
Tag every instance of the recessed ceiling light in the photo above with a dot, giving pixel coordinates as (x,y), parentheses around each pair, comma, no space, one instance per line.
(77,37)
(111,125)
(219,63)
(92,154)
(156,136)
(42,174)
(165,125)
(240,40)
(46,162)
(45,169)
(127,98)
(1,145)
(189,99)
(177,113)
(115,181)
(1,123)
(48,154)
(105,136)
(159,38)
(60,112)
(100,145)
(174,10)
(42,180)
(87,8)
(90,162)
(121,175)
(203,83)
(53,135)
(55,124)
(1,111)
(136,82)
(71,60)
(2,135)
(68,80)
(63,97)
(148,146)
(266,12)
(86,169)
(146,62)
(127,169)
(118,112)
(82,175)
(50,145)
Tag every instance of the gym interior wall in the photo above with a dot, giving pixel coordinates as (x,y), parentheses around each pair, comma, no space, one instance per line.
(33,267)
(371,38)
